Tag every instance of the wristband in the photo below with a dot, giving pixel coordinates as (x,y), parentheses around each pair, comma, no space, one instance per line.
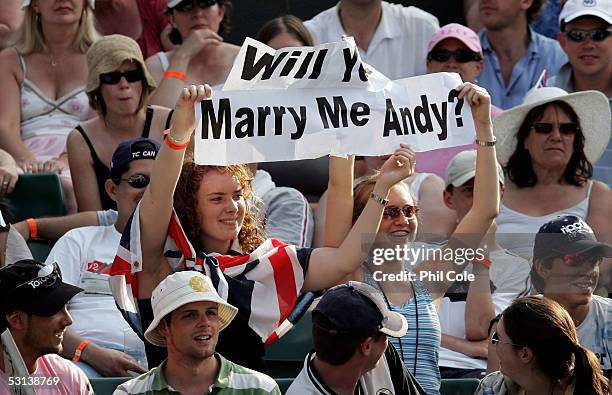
(486,143)
(174,144)
(484,262)
(175,74)
(79,350)
(379,199)
(33,226)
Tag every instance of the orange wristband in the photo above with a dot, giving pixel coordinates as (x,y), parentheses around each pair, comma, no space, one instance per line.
(172,143)
(33,227)
(484,262)
(175,74)
(79,350)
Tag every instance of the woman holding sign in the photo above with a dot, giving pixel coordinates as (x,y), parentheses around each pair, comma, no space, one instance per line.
(414,291)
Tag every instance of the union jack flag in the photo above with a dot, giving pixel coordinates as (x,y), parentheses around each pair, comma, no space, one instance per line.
(264,285)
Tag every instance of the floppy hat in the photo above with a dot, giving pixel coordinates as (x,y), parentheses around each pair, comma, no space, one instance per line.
(592,108)
(357,309)
(25,3)
(106,55)
(576,8)
(179,289)
(460,32)
(462,168)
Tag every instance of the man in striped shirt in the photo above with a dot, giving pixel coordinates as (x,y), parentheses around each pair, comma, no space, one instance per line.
(188,316)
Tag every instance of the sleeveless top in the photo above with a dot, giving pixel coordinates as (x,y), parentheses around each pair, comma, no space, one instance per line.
(516,231)
(43,116)
(102,170)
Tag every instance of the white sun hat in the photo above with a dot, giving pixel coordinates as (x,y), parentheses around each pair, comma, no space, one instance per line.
(179,289)
(592,108)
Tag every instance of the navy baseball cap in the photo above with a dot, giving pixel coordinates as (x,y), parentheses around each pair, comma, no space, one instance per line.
(567,234)
(33,287)
(356,309)
(129,151)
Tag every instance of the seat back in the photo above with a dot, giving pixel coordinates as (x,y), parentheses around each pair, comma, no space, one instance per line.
(37,195)
(285,357)
(459,386)
(283,384)
(106,385)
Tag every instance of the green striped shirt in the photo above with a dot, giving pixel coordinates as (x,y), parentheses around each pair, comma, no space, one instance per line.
(232,379)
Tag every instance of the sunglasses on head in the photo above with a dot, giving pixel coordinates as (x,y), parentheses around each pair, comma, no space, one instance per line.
(579,36)
(46,277)
(495,340)
(114,77)
(394,212)
(137,181)
(188,5)
(460,55)
(547,127)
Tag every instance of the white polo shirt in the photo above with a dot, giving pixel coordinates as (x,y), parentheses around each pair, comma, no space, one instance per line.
(398,48)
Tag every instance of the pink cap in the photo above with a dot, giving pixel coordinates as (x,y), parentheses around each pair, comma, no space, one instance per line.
(460,32)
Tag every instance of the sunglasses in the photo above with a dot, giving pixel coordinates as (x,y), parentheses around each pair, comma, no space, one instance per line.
(394,212)
(547,128)
(114,77)
(46,277)
(137,181)
(460,55)
(580,259)
(495,340)
(188,5)
(579,36)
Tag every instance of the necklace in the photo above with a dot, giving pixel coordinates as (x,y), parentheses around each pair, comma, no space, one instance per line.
(53,61)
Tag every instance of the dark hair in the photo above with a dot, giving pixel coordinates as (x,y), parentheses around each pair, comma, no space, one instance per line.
(334,350)
(545,327)
(536,280)
(520,169)
(285,24)
(224,28)
(534,10)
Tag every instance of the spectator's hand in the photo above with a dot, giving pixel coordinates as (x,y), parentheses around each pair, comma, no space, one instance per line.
(111,363)
(48,166)
(8,179)
(399,166)
(183,119)
(197,40)
(479,100)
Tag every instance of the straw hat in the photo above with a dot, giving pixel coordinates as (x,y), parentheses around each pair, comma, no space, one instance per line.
(593,112)
(107,54)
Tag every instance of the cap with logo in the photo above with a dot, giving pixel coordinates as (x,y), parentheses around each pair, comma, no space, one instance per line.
(33,287)
(129,151)
(356,309)
(567,235)
(179,289)
(576,8)
(462,168)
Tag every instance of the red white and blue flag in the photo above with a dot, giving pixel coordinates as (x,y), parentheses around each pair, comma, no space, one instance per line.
(264,285)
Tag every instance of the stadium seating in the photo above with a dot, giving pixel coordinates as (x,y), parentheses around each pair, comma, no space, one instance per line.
(37,195)
(285,358)
(459,386)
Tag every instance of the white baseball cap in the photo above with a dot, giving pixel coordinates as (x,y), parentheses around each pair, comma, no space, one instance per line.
(462,168)
(179,289)
(576,8)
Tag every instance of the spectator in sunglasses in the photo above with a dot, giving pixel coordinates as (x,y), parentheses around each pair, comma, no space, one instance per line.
(586,38)
(85,256)
(33,301)
(118,87)
(540,353)
(198,28)
(548,146)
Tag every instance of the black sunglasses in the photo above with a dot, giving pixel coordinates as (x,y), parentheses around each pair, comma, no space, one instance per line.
(114,77)
(137,181)
(460,55)
(394,212)
(495,340)
(188,5)
(579,36)
(547,127)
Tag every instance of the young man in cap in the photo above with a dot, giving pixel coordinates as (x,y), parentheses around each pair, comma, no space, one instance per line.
(188,315)
(585,37)
(351,355)
(465,315)
(100,335)
(33,301)
(566,262)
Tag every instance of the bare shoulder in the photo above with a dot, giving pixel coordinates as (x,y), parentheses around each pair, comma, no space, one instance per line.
(601,193)
(9,62)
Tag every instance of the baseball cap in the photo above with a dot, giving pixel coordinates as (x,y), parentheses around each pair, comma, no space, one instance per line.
(129,151)
(33,287)
(357,309)
(576,8)
(567,234)
(460,32)
(462,168)
(179,289)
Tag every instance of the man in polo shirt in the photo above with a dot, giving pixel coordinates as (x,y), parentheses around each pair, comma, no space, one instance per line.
(188,315)
(351,354)
(586,38)
(390,37)
(515,55)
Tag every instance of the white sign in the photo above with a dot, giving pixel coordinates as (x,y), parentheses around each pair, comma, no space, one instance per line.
(306,102)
